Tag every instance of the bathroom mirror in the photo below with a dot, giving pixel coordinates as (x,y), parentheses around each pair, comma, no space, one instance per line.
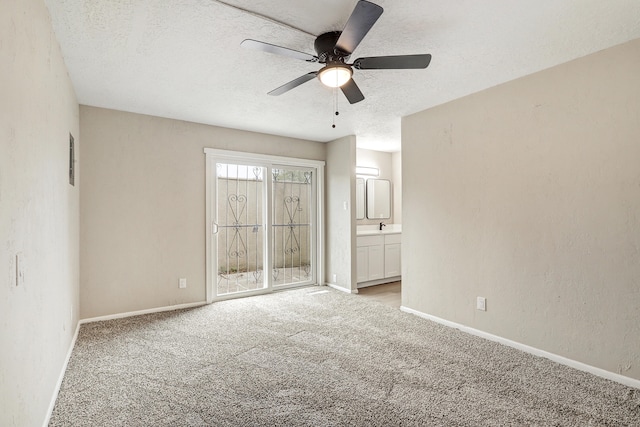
(378,199)
(359,198)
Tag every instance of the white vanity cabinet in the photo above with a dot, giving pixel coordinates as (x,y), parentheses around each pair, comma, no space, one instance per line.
(391,255)
(370,258)
(378,259)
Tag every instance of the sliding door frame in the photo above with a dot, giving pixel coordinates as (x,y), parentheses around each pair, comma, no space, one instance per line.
(269,162)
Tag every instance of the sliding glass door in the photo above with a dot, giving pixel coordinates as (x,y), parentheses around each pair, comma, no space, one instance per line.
(239,232)
(262,223)
(292,197)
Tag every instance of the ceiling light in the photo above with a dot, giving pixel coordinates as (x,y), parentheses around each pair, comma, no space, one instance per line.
(335,74)
(364,170)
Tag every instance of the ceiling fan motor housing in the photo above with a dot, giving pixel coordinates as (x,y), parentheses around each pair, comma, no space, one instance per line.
(325,47)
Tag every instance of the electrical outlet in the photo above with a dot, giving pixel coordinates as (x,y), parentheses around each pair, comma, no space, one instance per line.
(334,278)
(481,303)
(183,283)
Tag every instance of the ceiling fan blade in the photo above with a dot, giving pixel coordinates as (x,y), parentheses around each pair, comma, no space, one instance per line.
(400,62)
(293,84)
(360,22)
(352,92)
(278,50)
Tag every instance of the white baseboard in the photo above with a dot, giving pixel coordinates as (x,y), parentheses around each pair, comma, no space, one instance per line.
(56,390)
(141,312)
(340,288)
(631,382)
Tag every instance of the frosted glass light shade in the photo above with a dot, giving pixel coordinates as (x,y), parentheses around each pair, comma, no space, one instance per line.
(365,170)
(335,75)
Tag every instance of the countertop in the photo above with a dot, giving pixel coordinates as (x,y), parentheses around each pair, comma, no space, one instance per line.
(372,230)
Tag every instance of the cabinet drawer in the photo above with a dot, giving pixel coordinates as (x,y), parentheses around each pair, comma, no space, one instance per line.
(390,239)
(370,240)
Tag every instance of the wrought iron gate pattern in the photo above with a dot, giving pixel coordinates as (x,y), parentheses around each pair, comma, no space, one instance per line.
(240,235)
(291,225)
(241,231)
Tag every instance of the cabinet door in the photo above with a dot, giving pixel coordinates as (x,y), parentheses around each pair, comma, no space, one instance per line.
(362,258)
(376,262)
(392,260)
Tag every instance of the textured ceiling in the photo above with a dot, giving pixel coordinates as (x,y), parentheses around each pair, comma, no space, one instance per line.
(182,59)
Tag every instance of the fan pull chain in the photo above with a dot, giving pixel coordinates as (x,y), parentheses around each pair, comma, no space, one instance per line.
(335,106)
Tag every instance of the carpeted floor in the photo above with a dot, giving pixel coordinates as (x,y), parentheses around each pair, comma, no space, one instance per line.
(312,357)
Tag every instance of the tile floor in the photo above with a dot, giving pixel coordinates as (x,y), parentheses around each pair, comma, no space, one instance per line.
(388,293)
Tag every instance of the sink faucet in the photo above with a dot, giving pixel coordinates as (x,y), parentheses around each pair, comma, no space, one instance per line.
(382,224)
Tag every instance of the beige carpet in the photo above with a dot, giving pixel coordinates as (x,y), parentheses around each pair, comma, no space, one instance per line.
(312,357)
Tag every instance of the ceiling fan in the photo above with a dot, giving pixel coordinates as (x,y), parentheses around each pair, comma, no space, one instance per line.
(334,49)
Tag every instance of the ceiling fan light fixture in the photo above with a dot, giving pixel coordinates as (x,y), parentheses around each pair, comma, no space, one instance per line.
(335,74)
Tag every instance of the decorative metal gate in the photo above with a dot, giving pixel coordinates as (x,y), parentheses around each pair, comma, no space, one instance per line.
(292,195)
(241,252)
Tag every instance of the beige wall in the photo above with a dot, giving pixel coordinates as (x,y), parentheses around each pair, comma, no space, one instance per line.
(529,194)
(143,206)
(38,213)
(340,228)
(396,167)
